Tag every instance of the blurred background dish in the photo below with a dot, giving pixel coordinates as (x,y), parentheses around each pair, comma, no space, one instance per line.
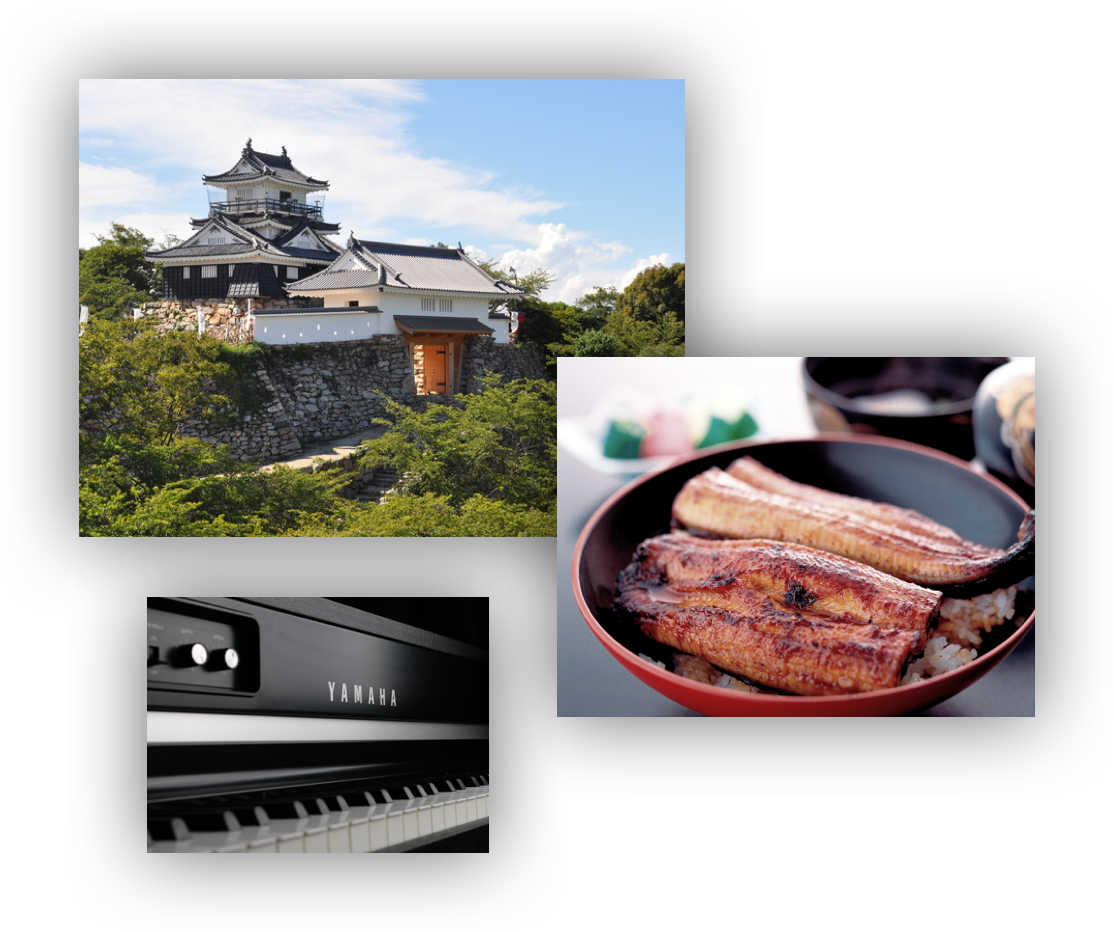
(922,399)
(629,432)
(1005,425)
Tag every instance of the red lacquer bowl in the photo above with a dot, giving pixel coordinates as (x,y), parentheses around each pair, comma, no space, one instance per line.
(940,486)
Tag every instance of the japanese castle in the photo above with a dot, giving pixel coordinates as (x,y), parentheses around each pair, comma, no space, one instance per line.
(266,231)
(266,246)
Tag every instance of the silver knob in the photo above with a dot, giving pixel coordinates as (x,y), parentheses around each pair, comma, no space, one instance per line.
(191,655)
(226,659)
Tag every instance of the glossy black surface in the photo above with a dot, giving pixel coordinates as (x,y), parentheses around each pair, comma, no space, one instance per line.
(311,667)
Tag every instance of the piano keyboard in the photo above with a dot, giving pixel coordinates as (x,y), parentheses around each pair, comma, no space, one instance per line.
(353,817)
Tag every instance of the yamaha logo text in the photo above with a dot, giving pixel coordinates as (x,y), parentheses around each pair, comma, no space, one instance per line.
(358,694)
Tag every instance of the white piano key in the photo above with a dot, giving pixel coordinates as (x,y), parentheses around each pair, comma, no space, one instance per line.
(292,843)
(356,821)
(437,814)
(377,831)
(425,817)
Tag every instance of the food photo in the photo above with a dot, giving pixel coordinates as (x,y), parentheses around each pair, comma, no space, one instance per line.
(801,572)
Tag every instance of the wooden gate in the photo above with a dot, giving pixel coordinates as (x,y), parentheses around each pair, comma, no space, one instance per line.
(437,368)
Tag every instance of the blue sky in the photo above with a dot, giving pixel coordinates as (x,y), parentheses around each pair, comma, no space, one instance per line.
(585,178)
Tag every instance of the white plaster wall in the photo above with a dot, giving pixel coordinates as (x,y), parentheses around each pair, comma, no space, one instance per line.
(391,303)
(316,328)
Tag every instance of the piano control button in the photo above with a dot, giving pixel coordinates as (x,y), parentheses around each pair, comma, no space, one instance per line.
(190,655)
(226,659)
(152,656)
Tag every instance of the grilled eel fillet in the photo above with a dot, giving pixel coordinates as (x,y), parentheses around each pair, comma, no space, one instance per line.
(782,615)
(751,501)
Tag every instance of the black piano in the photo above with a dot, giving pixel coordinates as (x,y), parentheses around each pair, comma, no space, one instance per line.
(307,725)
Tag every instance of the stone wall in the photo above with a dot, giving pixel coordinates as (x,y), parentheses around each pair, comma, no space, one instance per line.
(511,360)
(226,319)
(313,392)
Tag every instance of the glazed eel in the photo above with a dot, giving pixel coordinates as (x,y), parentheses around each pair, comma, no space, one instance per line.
(750,501)
(782,615)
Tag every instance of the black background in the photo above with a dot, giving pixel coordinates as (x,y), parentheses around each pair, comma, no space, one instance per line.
(464,619)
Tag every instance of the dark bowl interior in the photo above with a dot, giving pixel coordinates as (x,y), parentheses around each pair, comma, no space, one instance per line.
(923,399)
(882,470)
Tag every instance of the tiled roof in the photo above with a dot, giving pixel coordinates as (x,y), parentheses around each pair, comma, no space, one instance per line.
(421,268)
(254,280)
(255,165)
(242,242)
(421,324)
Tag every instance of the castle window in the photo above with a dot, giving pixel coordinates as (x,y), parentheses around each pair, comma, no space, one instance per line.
(291,271)
(353,303)
(429,305)
(217,240)
(208,271)
(185,271)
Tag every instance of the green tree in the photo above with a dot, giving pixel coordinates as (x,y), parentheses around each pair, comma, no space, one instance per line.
(597,343)
(499,443)
(655,292)
(596,306)
(116,274)
(431,515)
(144,385)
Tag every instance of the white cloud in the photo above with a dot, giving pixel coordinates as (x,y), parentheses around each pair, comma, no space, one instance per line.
(578,266)
(100,186)
(354,133)
(641,266)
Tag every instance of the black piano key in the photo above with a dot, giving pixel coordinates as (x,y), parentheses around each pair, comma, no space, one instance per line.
(396,794)
(250,815)
(168,829)
(212,822)
(277,809)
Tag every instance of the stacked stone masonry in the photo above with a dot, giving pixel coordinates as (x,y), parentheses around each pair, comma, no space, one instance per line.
(314,392)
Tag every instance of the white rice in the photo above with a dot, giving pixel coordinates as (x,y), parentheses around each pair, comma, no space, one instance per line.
(964,621)
(959,631)
(698,669)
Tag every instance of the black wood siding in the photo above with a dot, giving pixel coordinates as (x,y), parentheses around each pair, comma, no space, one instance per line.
(176,287)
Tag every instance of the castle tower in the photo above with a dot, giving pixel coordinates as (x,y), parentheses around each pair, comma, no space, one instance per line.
(264,230)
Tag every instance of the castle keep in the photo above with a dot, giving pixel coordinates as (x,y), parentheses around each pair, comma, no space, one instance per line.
(262,266)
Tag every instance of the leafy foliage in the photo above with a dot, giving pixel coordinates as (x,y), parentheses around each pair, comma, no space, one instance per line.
(116,274)
(484,465)
(499,443)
